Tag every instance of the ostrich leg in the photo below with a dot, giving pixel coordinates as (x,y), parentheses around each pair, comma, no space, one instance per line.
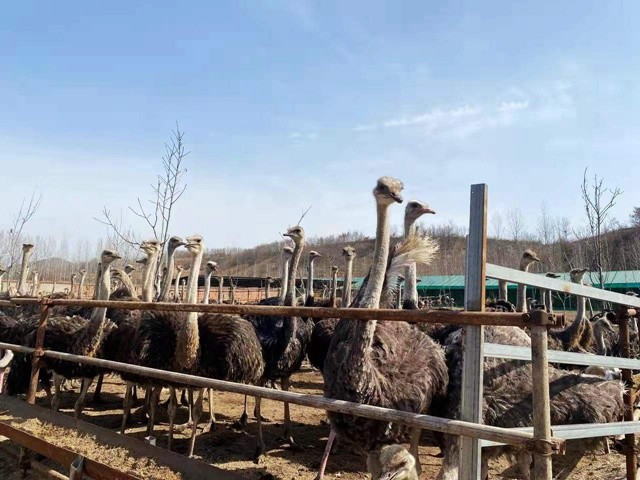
(128,401)
(325,455)
(415,443)
(260,447)
(172,409)
(98,391)
(288,436)
(79,406)
(197,412)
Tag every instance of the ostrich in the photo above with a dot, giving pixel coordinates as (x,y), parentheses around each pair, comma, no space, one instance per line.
(172,245)
(3,270)
(176,288)
(209,269)
(349,253)
(27,250)
(83,276)
(75,335)
(286,255)
(391,364)
(129,269)
(578,336)
(547,295)
(413,211)
(333,298)
(528,258)
(166,341)
(220,285)
(503,292)
(508,384)
(127,289)
(313,255)
(73,284)
(34,284)
(267,287)
(284,339)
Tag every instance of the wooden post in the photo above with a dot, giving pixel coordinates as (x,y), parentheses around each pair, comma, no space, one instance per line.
(473,356)
(630,440)
(541,402)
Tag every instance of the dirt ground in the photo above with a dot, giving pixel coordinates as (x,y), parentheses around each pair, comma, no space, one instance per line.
(232,449)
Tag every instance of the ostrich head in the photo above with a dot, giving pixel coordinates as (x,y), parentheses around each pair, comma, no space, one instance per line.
(128,268)
(194,244)
(392,462)
(141,261)
(552,275)
(211,266)
(388,190)
(313,255)
(528,257)
(577,274)
(82,271)
(150,247)
(296,234)
(416,209)
(73,276)
(334,269)
(108,256)
(349,252)
(27,247)
(287,250)
(176,242)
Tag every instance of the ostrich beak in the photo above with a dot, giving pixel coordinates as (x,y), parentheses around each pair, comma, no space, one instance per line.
(286,235)
(428,210)
(396,197)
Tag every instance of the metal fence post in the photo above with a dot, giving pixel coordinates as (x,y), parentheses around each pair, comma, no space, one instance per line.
(470,459)
(542,468)
(627,376)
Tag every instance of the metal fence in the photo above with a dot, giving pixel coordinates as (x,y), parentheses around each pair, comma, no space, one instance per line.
(538,439)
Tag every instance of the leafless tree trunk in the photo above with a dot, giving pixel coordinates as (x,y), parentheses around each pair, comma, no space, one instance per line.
(598,202)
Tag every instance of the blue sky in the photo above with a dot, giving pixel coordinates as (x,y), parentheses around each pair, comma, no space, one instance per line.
(287,104)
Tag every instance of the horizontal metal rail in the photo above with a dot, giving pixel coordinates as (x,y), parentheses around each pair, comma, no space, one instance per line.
(509,352)
(458,317)
(582,430)
(540,281)
(427,422)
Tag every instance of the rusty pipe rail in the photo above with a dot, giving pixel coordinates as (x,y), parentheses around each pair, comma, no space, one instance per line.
(458,317)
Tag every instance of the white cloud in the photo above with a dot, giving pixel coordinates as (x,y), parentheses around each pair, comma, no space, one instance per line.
(513,106)
(434,118)
(303,135)
(364,128)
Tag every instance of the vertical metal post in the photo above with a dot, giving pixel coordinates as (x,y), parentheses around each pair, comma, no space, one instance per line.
(629,439)
(542,469)
(473,341)
(24,458)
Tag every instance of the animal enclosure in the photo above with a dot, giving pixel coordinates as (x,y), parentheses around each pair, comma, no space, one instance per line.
(542,439)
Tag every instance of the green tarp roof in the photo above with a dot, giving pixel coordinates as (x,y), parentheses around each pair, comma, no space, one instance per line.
(613,279)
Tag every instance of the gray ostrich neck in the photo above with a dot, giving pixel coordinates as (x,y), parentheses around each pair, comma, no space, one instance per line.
(293,268)
(166,281)
(550,301)
(187,338)
(346,287)
(96,285)
(334,289)
(310,277)
(81,285)
(100,313)
(409,226)
(601,348)
(410,297)
(285,278)
(581,308)
(220,284)
(128,283)
(364,331)
(24,269)
(149,274)
(521,303)
(207,287)
(502,290)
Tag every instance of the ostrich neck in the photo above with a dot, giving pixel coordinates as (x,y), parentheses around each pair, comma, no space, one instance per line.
(207,287)
(521,304)
(550,301)
(24,268)
(364,331)
(410,297)
(171,267)
(81,285)
(187,336)
(334,290)
(502,290)
(96,285)
(293,268)
(128,284)
(310,278)
(346,287)
(409,226)
(100,313)
(285,279)
(149,273)
(581,309)
(601,348)
(220,284)
(371,297)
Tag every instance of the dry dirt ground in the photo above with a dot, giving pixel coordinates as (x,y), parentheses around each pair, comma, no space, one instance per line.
(232,449)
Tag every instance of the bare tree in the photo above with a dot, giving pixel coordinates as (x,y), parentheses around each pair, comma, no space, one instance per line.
(515,224)
(157,211)
(635,217)
(598,202)
(545,225)
(497,225)
(14,236)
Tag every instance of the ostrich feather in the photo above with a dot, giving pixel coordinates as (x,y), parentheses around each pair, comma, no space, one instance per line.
(418,248)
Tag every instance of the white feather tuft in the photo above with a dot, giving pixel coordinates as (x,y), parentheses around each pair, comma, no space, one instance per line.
(418,248)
